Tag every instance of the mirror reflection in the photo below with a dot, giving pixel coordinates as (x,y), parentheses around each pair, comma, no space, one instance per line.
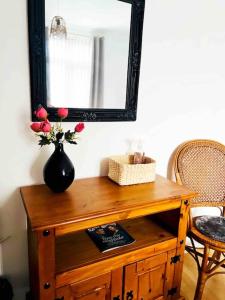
(87,47)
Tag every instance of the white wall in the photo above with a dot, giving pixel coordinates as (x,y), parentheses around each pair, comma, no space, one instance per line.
(182,91)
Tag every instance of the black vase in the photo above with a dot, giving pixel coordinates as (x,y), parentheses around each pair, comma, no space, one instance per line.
(58,171)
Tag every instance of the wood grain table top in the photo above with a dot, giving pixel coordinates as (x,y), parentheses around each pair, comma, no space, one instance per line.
(97,197)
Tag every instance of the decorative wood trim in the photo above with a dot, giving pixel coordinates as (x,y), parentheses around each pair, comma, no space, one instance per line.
(36,22)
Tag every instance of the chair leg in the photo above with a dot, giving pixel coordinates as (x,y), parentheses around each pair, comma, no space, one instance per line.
(202,275)
(216,256)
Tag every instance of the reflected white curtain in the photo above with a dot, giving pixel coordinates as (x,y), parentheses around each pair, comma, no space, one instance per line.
(97,73)
(69,64)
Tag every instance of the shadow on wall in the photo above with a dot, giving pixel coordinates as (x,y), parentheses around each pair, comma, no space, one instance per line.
(13,224)
(14,250)
(104,167)
(36,170)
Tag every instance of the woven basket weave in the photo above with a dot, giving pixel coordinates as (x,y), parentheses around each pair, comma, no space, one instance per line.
(122,171)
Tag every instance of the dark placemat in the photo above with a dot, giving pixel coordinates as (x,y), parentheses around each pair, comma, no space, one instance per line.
(211,226)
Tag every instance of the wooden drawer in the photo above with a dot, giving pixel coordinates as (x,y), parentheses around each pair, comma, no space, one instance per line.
(104,287)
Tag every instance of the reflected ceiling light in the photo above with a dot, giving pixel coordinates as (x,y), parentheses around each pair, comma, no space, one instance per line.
(58,28)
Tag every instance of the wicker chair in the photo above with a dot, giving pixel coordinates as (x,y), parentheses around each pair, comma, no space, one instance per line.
(200,165)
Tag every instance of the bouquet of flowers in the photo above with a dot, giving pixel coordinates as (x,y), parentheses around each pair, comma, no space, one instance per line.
(53,133)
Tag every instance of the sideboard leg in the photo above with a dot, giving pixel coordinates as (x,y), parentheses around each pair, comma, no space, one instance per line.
(41,248)
(182,231)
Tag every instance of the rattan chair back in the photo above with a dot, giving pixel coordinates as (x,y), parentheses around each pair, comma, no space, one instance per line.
(200,165)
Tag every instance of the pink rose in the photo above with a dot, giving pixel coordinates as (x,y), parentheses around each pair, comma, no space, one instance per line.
(41,113)
(36,127)
(45,126)
(79,127)
(62,113)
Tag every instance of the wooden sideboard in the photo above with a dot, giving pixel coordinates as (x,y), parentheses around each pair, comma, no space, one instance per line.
(65,264)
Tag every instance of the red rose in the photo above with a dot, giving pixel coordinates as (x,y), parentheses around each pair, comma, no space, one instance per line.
(36,127)
(62,113)
(41,113)
(45,126)
(79,127)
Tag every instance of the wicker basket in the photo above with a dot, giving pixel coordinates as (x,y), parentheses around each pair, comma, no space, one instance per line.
(122,171)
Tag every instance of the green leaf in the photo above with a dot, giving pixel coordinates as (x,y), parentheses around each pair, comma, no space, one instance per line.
(44,140)
(72,142)
(69,135)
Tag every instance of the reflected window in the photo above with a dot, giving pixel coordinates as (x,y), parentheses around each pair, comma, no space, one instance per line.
(75,62)
(87,53)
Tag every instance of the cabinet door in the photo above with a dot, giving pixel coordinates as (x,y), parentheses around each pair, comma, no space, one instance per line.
(105,287)
(149,279)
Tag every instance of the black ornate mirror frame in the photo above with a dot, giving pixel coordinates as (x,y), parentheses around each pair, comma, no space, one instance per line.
(36,21)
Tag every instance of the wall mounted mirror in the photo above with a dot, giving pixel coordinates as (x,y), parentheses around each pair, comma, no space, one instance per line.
(85,55)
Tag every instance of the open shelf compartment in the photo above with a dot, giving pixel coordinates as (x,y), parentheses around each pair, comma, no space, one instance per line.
(76,250)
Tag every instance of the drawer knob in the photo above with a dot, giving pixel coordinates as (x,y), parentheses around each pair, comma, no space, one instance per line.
(186,202)
(47,285)
(116,298)
(46,233)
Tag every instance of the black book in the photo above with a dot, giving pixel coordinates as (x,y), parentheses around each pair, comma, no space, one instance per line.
(110,236)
